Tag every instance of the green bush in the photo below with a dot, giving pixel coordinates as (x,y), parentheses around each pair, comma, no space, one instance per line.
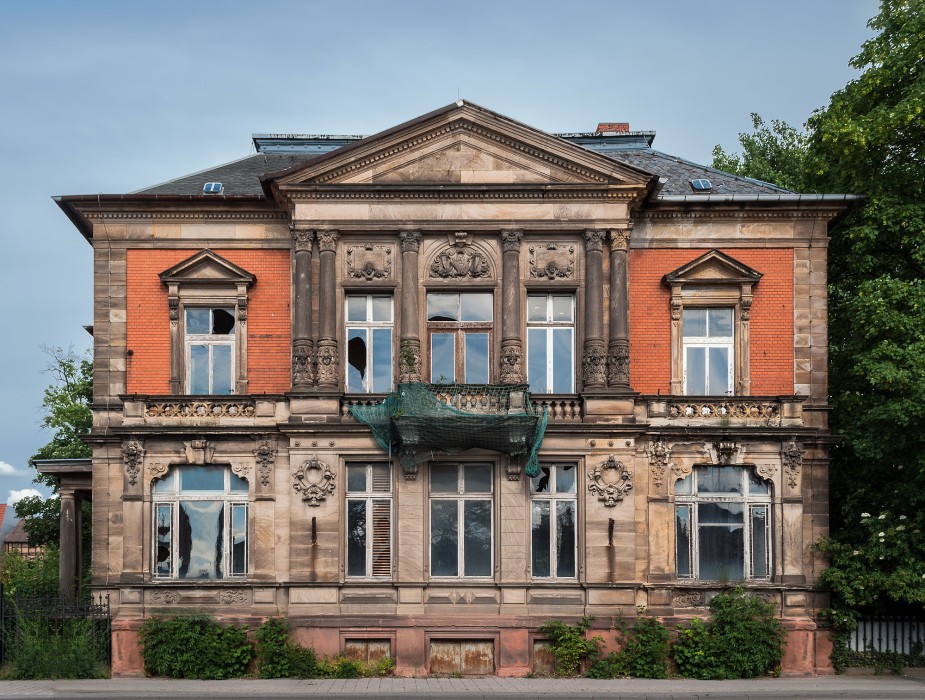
(42,647)
(277,657)
(643,654)
(743,639)
(194,647)
(570,645)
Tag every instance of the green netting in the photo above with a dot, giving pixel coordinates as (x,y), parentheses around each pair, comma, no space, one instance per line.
(420,420)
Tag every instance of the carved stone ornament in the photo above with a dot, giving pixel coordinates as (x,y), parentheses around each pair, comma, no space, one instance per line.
(132,454)
(726,451)
(173,304)
(689,599)
(158,470)
(620,238)
(594,364)
(409,364)
(264,456)
(618,363)
(511,362)
(594,239)
(610,481)
(792,457)
(552,261)
(746,306)
(302,238)
(681,470)
(199,452)
(510,240)
(676,307)
(327,240)
(165,597)
(231,597)
(659,454)
(756,410)
(514,468)
(410,241)
(766,471)
(314,480)
(327,362)
(369,262)
(242,309)
(458,261)
(303,363)
(241,469)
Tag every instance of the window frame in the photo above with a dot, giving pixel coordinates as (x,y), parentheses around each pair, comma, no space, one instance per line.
(749,502)
(369,326)
(460,497)
(549,326)
(368,496)
(171,498)
(553,497)
(459,330)
(708,343)
(210,340)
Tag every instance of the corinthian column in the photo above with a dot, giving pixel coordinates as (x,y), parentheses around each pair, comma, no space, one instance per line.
(328,358)
(618,351)
(512,353)
(594,359)
(409,363)
(303,349)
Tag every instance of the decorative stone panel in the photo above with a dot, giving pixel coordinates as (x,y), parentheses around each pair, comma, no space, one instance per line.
(314,480)
(552,261)
(611,481)
(369,262)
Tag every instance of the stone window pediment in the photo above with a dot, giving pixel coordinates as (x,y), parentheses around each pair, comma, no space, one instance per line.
(206,267)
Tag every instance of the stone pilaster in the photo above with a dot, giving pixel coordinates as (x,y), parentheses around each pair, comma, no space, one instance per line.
(409,361)
(303,347)
(69,555)
(328,354)
(511,341)
(594,359)
(618,350)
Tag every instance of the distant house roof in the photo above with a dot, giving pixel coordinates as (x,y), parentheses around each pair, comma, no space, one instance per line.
(280,152)
(18,534)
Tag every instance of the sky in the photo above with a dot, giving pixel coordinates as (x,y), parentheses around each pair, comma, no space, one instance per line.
(111,97)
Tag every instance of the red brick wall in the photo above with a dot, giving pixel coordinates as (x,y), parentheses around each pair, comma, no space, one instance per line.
(771,318)
(148,325)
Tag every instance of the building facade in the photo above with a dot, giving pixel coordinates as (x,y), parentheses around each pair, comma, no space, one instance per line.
(618,360)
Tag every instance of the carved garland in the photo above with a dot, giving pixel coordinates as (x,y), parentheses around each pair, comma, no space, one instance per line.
(314,480)
(659,454)
(132,453)
(264,455)
(610,481)
(792,456)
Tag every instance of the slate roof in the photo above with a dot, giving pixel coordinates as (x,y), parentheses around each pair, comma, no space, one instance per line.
(242,177)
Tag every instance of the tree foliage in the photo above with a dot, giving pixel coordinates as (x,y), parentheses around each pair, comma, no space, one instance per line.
(774,154)
(870,140)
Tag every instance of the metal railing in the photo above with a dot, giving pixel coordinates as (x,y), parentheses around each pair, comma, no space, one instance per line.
(894,634)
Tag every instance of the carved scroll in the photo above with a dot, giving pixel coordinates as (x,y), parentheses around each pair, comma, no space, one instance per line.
(610,481)
(314,480)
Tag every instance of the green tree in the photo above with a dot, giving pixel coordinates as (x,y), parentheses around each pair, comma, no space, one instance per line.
(774,154)
(66,412)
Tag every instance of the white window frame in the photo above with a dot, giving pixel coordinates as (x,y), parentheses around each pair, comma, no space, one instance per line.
(369,326)
(163,496)
(549,326)
(369,496)
(708,343)
(459,330)
(461,497)
(749,501)
(553,497)
(210,340)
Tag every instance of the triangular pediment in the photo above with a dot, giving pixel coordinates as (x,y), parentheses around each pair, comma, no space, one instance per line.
(463,144)
(713,267)
(206,267)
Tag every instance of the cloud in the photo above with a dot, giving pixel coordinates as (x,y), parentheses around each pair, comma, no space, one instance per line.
(16,495)
(10,470)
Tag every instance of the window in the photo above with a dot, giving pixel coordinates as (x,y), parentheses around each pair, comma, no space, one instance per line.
(369,343)
(369,520)
(200,524)
(461,519)
(722,525)
(708,352)
(553,508)
(459,325)
(210,351)
(551,343)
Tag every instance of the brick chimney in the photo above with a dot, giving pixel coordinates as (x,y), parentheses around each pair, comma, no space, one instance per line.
(619,127)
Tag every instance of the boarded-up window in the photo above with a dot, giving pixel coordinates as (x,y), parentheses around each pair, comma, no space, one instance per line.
(470,657)
(369,651)
(544,661)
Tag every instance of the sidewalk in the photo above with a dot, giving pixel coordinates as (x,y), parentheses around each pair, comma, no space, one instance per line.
(827,687)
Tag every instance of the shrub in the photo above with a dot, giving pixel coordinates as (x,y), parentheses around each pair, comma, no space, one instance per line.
(644,651)
(277,657)
(194,647)
(42,647)
(743,639)
(570,646)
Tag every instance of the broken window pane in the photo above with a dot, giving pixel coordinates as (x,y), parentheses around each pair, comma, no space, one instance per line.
(565,478)
(356,360)
(540,482)
(222,321)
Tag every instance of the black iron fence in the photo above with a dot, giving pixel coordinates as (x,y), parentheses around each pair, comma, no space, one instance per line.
(889,634)
(49,615)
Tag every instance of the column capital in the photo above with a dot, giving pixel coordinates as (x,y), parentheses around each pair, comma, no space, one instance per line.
(410,241)
(510,239)
(327,239)
(594,239)
(302,238)
(620,238)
